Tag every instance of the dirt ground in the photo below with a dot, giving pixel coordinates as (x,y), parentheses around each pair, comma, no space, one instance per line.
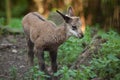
(13,53)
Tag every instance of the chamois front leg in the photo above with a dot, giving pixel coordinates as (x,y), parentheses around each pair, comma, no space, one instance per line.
(53,56)
(30,52)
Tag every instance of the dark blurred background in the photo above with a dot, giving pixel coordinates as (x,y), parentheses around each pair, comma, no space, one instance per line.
(105,13)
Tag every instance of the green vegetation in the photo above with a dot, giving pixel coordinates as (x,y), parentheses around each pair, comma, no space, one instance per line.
(13,73)
(14,26)
(35,74)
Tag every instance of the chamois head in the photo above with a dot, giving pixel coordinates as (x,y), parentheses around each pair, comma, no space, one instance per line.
(72,23)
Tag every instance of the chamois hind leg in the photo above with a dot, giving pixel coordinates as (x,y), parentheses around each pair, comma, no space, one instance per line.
(39,53)
(30,52)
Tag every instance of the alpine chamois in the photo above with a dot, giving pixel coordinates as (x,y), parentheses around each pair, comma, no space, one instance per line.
(43,35)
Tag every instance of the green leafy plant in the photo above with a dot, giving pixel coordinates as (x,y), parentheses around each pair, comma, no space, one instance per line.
(71,74)
(15,25)
(66,73)
(106,64)
(13,73)
(35,74)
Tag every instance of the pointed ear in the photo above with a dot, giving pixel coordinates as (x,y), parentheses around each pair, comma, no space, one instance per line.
(66,18)
(70,11)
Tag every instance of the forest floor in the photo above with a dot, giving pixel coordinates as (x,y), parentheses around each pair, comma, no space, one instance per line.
(13,55)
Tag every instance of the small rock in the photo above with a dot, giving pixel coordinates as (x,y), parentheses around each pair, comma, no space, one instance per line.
(22,66)
(19,57)
(14,51)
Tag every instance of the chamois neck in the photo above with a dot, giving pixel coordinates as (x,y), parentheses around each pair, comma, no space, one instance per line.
(61,34)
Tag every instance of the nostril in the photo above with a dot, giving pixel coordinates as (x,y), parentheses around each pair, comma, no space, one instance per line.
(82,35)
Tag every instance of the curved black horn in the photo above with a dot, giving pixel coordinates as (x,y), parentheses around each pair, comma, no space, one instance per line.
(66,18)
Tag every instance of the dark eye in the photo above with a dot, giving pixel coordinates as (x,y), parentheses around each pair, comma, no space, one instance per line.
(74,27)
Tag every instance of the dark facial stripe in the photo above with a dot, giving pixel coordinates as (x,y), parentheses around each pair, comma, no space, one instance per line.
(38,17)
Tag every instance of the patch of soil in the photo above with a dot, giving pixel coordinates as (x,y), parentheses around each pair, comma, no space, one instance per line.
(13,53)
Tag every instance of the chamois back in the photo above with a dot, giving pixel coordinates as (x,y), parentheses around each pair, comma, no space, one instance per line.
(36,26)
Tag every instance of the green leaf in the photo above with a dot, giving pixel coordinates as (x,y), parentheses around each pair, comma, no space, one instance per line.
(112,57)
